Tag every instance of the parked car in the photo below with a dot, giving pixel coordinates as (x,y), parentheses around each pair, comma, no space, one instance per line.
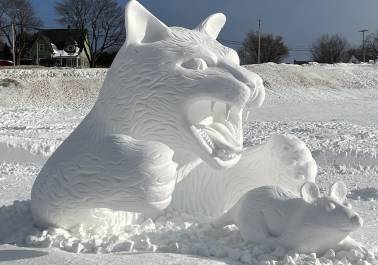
(5,63)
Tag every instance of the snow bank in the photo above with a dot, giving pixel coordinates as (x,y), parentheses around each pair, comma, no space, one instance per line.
(33,134)
(169,233)
(284,83)
(40,107)
(306,83)
(50,87)
(331,142)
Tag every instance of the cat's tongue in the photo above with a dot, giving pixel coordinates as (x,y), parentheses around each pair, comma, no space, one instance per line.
(223,135)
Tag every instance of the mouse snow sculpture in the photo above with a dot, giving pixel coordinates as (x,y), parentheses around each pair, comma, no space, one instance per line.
(309,223)
(173,99)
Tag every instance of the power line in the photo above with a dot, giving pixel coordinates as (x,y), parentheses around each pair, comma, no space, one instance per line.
(294,48)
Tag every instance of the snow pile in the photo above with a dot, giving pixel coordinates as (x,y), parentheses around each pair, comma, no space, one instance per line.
(169,233)
(48,73)
(331,142)
(50,87)
(306,83)
(284,83)
(33,134)
(344,149)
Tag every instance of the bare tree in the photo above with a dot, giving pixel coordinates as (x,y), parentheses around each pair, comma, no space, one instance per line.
(101,23)
(371,44)
(273,49)
(330,49)
(21,14)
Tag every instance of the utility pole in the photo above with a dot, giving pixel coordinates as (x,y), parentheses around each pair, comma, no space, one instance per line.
(13,45)
(37,61)
(259,48)
(363,44)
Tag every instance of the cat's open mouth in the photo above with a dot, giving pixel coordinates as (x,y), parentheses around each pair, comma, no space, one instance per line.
(217,126)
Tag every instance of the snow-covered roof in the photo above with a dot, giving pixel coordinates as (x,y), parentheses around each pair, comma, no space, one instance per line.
(63,37)
(62,53)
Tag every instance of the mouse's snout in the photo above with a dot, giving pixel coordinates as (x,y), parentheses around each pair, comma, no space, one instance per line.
(356,220)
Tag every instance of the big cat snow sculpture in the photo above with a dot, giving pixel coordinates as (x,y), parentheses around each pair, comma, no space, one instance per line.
(166,129)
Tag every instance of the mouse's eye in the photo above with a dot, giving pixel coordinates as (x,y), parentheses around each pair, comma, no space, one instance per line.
(330,206)
(348,205)
(195,64)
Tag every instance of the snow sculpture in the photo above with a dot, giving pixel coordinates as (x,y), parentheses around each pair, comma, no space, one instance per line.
(310,223)
(170,110)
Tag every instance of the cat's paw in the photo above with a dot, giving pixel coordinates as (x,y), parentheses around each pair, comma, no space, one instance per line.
(290,157)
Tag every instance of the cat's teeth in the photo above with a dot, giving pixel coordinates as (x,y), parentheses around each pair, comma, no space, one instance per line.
(212,106)
(228,111)
(245,116)
(224,155)
(207,139)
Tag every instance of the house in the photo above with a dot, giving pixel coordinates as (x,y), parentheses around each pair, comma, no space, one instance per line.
(59,47)
(5,51)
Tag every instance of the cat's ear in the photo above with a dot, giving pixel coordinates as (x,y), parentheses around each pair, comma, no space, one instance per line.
(212,25)
(310,192)
(142,26)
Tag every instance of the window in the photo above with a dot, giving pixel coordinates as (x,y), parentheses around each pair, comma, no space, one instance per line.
(43,47)
(71,48)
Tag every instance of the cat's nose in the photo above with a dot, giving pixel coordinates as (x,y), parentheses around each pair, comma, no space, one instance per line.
(356,220)
(252,81)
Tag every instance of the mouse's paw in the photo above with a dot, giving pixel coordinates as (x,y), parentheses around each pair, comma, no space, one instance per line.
(364,250)
(350,244)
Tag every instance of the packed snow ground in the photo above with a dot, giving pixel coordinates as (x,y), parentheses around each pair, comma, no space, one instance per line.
(332,108)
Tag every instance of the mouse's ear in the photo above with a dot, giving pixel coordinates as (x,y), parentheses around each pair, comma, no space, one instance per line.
(338,191)
(310,192)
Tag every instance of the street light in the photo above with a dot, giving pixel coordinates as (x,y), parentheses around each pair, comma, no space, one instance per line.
(13,44)
(259,47)
(363,43)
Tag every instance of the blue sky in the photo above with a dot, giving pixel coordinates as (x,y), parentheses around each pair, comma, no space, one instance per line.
(300,22)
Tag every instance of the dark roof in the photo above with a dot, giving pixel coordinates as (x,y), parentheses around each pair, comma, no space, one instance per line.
(63,37)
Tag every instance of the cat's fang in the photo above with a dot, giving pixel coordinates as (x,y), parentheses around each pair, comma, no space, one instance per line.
(246,116)
(228,111)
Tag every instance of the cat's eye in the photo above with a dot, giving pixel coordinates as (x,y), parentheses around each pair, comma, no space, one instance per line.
(195,64)
(330,206)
